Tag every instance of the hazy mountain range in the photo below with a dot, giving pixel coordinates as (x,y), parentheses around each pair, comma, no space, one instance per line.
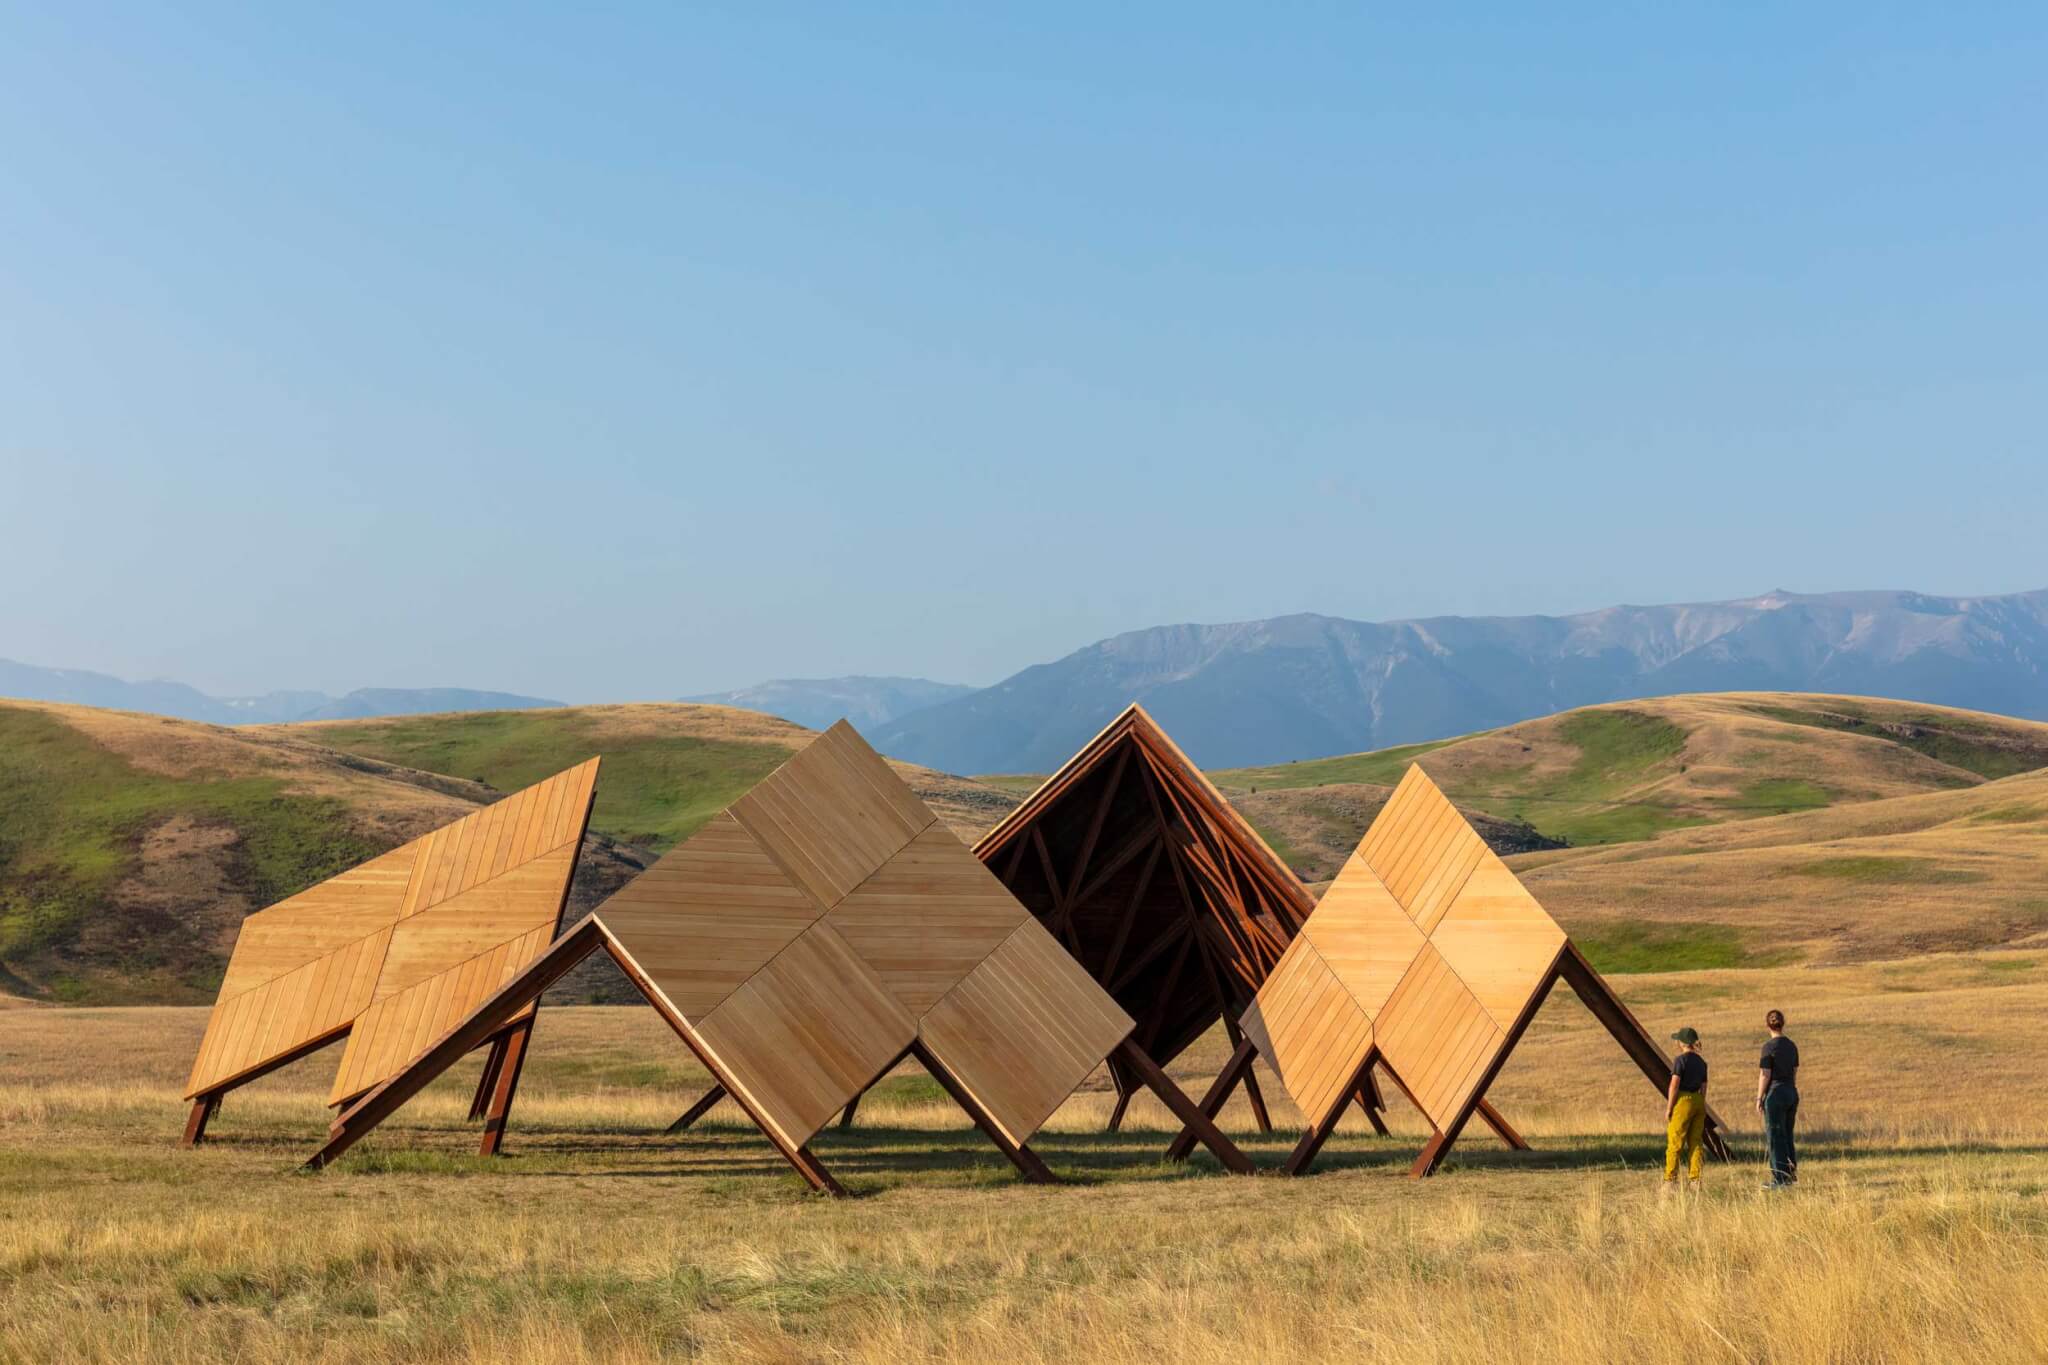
(161,698)
(1306,686)
(818,702)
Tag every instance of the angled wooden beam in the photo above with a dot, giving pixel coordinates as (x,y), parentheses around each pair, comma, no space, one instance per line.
(1213,1099)
(1193,1120)
(846,1115)
(1627,1030)
(1501,1127)
(203,1110)
(703,1106)
(800,1157)
(1020,1154)
(1312,1140)
(1123,928)
(1439,1145)
(498,1009)
(510,1061)
(1173,934)
(487,1082)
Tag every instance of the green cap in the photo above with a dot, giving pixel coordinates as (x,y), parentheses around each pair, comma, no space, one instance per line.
(1689,1036)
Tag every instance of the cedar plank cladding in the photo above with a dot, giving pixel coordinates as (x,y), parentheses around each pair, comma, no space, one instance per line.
(1445,957)
(1150,879)
(826,922)
(1430,935)
(307,969)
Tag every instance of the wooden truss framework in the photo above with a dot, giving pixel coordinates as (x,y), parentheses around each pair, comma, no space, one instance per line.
(1426,958)
(812,936)
(389,955)
(1160,890)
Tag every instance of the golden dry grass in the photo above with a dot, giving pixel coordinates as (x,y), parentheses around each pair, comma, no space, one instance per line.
(1914,874)
(1919,1229)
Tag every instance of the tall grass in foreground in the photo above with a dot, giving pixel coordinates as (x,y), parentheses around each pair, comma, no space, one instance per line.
(1926,1262)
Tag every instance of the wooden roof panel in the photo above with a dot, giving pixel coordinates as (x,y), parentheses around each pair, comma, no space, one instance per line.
(709,914)
(1364,935)
(832,814)
(1499,941)
(1309,1028)
(312,964)
(807,1033)
(927,917)
(1023,1029)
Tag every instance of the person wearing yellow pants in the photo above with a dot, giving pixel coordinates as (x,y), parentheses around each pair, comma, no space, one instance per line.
(1685,1110)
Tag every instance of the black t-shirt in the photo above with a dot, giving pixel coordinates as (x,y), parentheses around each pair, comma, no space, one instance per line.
(1781,1059)
(1691,1070)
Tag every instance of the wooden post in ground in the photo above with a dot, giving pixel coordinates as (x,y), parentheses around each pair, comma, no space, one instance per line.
(509,1064)
(203,1109)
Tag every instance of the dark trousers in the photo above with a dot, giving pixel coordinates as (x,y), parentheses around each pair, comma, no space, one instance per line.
(1781,1107)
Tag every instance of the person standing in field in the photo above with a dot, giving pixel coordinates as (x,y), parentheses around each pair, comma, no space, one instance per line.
(1777,1099)
(1685,1111)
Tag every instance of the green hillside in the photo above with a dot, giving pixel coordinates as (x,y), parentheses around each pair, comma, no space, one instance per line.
(1628,771)
(656,787)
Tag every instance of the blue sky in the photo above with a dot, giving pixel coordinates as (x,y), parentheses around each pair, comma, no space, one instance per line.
(628,351)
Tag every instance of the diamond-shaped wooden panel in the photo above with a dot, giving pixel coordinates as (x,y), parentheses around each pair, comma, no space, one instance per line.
(1023,1029)
(1438,1037)
(322,919)
(313,963)
(928,917)
(709,914)
(832,814)
(1422,849)
(1499,941)
(402,1025)
(1310,1028)
(807,1033)
(1363,934)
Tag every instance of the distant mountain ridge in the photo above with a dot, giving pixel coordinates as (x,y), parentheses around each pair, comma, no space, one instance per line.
(158,697)
(1306,686)
(817,702)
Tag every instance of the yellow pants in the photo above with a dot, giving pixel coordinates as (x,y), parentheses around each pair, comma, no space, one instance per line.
(1687,1134)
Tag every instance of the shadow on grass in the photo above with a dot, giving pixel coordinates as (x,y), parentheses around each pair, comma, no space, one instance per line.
(874,1159)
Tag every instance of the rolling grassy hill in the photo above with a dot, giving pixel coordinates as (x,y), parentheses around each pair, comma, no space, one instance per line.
(1631,770)
(1740,829)
(132,846)
(1719,831)
(668,767)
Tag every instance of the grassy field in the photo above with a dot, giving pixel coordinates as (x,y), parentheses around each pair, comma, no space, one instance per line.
(1919,1229)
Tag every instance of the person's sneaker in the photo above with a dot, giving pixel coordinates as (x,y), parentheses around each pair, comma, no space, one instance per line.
(1776,1184)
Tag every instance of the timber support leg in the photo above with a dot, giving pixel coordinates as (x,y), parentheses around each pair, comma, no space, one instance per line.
(203,1110)
(1212,1103)
(1116,1115)
(501,1097)
(698,1110)
(852,1106)
(1313,1138)
(487,1083)
(1020,1154)
(1251,1078)
(1193,1119)
(1501,1127)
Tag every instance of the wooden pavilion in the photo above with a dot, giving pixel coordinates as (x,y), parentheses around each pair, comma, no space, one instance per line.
(1156,885)
(1426,956)
(392,953)
(809,938)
